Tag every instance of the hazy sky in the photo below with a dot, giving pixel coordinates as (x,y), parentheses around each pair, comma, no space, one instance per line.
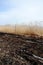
(21,12)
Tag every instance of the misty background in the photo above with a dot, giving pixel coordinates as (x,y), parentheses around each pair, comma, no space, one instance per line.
(26,12)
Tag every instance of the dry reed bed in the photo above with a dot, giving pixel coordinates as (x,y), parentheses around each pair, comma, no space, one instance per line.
(20,29)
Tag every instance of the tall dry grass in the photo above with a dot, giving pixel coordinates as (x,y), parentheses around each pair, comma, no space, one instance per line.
(20,29)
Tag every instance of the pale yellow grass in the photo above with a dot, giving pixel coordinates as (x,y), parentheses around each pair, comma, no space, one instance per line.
(20,29)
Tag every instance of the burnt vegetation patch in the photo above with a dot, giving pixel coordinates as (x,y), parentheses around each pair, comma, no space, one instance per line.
(21,49)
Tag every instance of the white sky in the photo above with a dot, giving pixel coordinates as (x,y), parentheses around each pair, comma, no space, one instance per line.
(21,12)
